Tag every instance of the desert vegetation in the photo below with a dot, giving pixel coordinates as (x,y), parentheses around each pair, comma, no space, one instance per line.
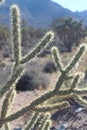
(69,31)
(67,87)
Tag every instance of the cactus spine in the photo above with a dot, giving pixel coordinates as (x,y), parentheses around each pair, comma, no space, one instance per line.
(37,105)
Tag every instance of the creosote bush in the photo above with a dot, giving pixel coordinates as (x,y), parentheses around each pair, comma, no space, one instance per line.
(25,83)
(37,105)
(49,67)
(31,81)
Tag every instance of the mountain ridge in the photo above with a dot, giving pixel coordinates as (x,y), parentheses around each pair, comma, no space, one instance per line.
(40,13)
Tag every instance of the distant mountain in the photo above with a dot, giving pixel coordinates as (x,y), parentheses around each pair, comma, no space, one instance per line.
(82,15)
(39,13)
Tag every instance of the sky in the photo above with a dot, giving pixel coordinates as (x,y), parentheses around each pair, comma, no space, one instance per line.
(74,5)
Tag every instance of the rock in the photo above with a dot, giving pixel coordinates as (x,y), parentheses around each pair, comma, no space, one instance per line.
(61,127)
(78,110)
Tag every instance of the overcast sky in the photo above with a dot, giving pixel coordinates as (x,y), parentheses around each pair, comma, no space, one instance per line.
(74,5)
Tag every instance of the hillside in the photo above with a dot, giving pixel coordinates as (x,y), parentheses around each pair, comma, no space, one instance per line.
(39,13)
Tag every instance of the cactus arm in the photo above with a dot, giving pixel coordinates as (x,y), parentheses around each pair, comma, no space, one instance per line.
(40,46)
(7,103)
(60,81)
(76,58)
(80,100)
(56,58)
(43,123)
(75,81)
(48,125)
(80,91)
(16,33)
(47,108)
(6,106)
(32,121)
(7,126)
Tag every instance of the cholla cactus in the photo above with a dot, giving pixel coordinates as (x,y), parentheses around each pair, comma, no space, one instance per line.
(38,106)
(9,87)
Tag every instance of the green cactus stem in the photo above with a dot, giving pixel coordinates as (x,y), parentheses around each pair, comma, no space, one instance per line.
(7,126)
(58,106)
(80,100)
(6,106)
(16,33)
(44,120)
(48,125)
(56,58)
(7,103)
(32,121)
(75,81)
(76,58)
(40,46)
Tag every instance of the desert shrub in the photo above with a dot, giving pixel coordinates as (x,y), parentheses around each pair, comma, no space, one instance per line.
(6,52)
(49,67)
(70,32)
(24,83)
(4,35)
(29,34)
(31,81)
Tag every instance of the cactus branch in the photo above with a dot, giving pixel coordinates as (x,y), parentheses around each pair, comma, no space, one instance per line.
(40,46)
(75,81)
(58,106)
(80,100)
(7,103)
(56,58)
(6,106)
(7,126)
(48,125)
(43,123)
(32,122)
(16,33)
(76,58)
